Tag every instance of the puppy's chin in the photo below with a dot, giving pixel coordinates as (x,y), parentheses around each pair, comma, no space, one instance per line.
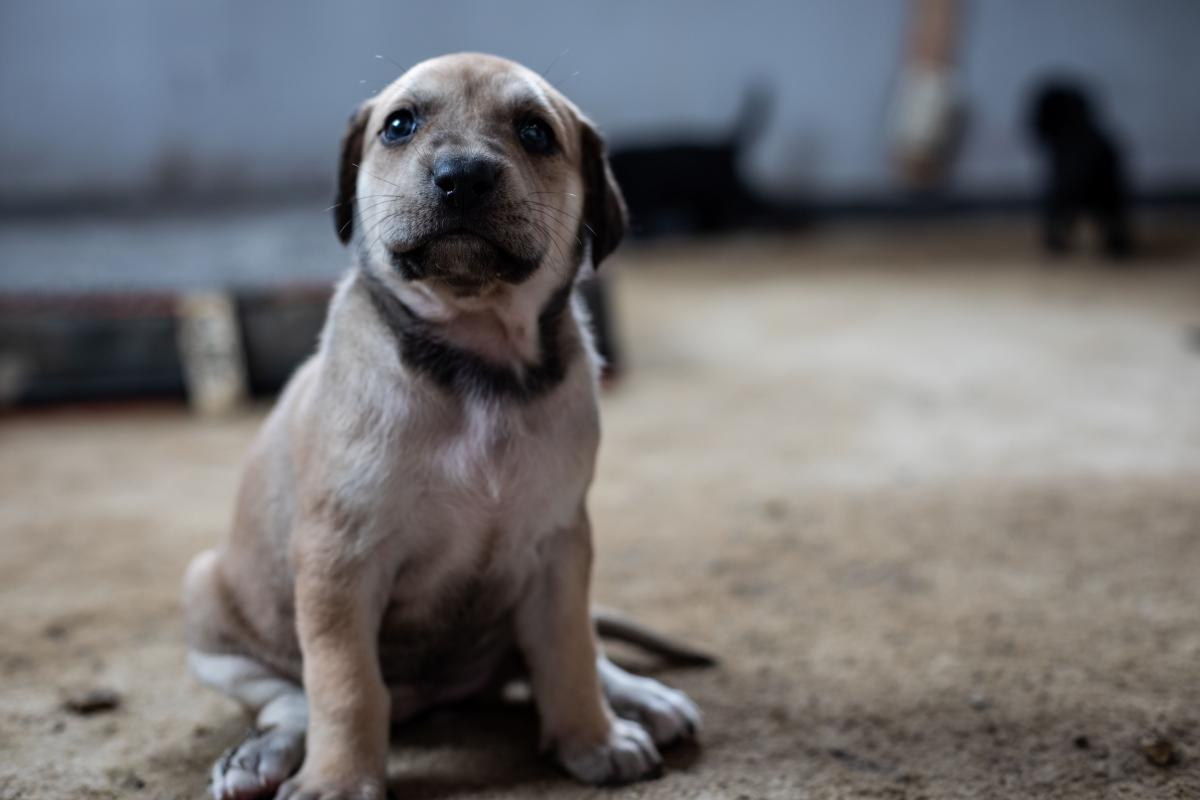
(465,263)
(462,253)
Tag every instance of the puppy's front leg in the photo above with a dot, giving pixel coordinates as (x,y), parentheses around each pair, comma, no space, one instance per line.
(338,612)
(555,631)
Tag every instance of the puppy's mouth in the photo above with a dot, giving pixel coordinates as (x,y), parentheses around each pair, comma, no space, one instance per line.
(465,261)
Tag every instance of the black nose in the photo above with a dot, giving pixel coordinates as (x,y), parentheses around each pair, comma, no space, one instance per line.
(465,182)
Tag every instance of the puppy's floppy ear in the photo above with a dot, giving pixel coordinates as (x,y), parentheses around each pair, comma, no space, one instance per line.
(347,178)
(603,205)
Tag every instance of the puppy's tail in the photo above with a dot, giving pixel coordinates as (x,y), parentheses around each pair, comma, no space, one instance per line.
(613,625)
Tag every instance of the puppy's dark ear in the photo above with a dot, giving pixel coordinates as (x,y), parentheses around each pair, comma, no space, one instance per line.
(347,178)
(603,205)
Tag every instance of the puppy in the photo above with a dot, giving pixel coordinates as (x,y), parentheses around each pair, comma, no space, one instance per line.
(411,525)
(1084,172)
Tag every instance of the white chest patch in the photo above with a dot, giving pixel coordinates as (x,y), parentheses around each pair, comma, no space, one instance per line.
(477,458)
(484,495)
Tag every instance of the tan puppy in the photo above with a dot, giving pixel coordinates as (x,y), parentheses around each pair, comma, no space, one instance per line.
(412,518)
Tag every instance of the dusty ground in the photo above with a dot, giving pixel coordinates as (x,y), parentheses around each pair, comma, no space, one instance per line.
(936,505)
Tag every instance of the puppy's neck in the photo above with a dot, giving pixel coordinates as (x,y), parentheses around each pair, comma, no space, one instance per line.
(509,341)
(500,324)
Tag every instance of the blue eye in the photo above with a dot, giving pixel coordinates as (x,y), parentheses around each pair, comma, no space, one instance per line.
(535,136)
(399,126)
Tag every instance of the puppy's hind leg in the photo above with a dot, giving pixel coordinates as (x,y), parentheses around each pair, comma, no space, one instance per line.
(256,766)
(273,750)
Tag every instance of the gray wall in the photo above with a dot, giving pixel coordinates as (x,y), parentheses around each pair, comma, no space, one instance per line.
(128,97)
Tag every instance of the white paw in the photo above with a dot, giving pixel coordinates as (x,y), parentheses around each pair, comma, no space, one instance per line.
(257,765)
(668,714)
(304,787)
(628,755)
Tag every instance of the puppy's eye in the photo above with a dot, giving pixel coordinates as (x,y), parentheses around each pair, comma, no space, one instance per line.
(535,136)
(399,126)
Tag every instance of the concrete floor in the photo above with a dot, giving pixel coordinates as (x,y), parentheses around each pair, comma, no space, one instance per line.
(935,503)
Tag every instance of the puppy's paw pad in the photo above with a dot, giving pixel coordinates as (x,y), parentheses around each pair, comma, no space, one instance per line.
(667,714)
(256,766)
(628,755)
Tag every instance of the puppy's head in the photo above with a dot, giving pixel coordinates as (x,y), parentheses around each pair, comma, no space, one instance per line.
(1060,112)
(471,171)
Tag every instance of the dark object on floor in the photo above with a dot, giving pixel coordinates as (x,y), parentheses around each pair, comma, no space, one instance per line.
(1159,750)
(1084,175)
(279,328)
(57,347)
(594,293)
(92,701)
(682,184)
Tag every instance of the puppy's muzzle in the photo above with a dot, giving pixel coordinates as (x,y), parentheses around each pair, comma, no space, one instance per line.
(461,240)
(462,258)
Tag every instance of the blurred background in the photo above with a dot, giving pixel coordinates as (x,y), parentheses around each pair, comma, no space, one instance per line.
(904,348)
(121,102)
(154,148)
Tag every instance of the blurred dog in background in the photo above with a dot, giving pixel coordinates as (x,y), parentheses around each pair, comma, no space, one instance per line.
(682,184)
(1084,173)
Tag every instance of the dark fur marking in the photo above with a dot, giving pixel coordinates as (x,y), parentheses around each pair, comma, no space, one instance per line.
(460,371)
